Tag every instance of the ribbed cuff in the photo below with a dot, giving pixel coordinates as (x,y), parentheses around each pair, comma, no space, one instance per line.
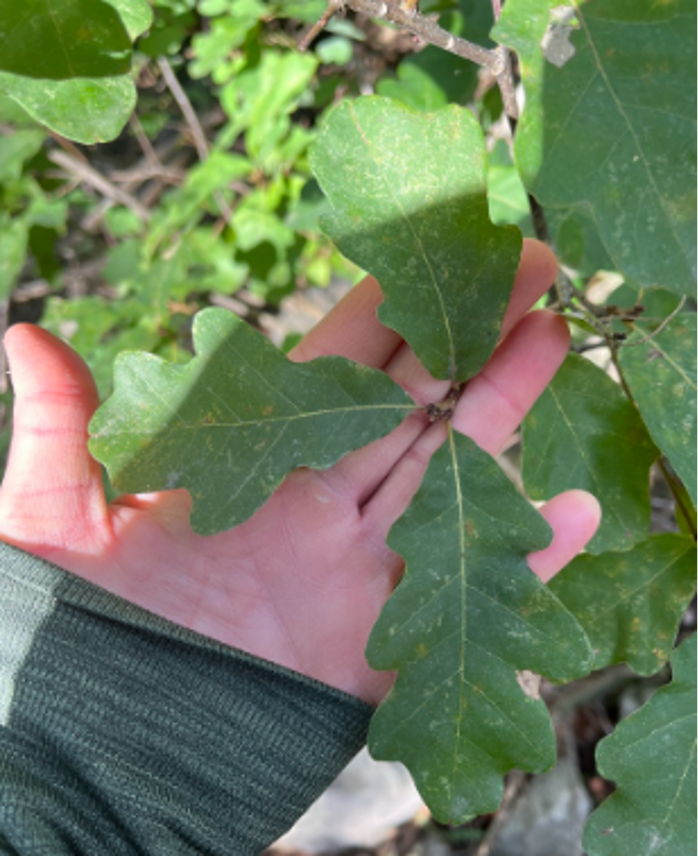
(121,732)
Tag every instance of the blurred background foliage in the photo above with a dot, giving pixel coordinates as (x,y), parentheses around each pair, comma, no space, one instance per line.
(206,196)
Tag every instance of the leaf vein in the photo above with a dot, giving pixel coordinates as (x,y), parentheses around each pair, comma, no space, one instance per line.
(626,118)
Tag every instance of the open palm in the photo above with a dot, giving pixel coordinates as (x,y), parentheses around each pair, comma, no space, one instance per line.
(302,582)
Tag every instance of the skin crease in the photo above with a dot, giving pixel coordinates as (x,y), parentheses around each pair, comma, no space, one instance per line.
(302,582)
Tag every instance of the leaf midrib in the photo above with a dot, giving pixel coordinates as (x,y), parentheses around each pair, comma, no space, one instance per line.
(677,368)
(600,613)
(256,423)
(463,615)
(432,276)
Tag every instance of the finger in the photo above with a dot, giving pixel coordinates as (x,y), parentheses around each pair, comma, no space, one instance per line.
(52,487)
(351,330)
(490,410)
(574,517)
(536,273)
(359,474)
(496,400)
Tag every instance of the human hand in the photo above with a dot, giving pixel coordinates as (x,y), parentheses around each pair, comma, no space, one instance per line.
(302,582)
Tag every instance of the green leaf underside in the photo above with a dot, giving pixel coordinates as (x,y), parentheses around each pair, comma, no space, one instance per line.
(651,757)
(661,374)
(613,130)
(67,62)
(584,433)
(234,421)
(630,603)
(467,615)
(409,205)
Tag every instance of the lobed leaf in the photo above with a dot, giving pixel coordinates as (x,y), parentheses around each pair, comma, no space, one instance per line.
(584,433)
(68,63)
(462,626)
(651,757)
(409,205)
(661,374)
(631,603)
(609,124)
(233,422)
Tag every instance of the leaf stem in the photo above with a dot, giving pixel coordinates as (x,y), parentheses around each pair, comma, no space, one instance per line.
(333,6)
(442,411)
(192,120)
(87,174)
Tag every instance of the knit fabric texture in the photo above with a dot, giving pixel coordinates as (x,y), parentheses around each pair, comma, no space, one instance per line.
(123,733)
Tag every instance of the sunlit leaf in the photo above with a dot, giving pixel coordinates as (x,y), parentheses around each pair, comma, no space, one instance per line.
(68,62)
(15,150)
(260,99)
(234,421)
(584,433)
(660,370)
(409,204)
(631,603)
(651,757)
(609,124)
(465,622)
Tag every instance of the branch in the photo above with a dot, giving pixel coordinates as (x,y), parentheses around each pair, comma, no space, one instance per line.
(192,120)
(180,96)
(404,14)
(505,79)
(507,86)
(84,172)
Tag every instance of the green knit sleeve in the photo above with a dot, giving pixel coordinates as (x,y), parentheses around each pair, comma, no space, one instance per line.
(122,733)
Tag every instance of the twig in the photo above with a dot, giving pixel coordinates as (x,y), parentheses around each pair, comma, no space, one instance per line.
(563,289)
(515,783)
(137,175)
(180,96)
(84,172)
(68,146)
(162,151)
(143,141)
(200,142)
(333,7)
(505,78)
(507,87)
(658,329)
(404,14)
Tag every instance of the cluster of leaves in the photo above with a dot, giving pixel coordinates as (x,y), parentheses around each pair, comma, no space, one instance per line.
(606,146)
(170,216)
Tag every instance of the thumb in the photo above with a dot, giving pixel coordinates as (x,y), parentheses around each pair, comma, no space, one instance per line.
(52,492)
